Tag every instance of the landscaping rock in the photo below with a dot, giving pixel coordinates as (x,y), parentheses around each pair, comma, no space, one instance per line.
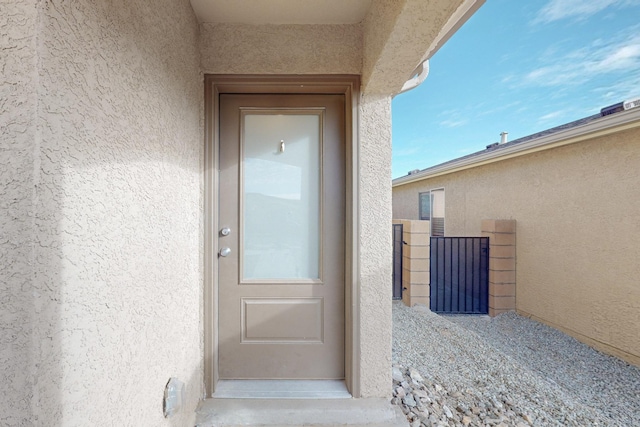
(459,379)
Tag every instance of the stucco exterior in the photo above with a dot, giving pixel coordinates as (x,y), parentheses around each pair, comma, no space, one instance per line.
(576,208)
(101,213)
(375,245)
(102,176)
(281,49)
(18,103)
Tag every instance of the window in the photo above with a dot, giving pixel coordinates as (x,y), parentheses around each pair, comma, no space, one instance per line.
(432,209)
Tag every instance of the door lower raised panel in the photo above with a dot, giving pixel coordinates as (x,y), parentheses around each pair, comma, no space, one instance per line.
(282,320)
(282,196)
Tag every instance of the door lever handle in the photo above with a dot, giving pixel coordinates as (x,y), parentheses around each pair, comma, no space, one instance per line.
(225,251)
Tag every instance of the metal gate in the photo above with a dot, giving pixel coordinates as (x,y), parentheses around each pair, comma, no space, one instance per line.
(397,261)
(459,275)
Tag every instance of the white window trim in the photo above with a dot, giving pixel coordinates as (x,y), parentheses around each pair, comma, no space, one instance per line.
(444,218)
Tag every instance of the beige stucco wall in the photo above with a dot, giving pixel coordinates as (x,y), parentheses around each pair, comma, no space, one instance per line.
(18,149)
(375,246)
(102,208)
(281,49)
(105,179)
(577,225)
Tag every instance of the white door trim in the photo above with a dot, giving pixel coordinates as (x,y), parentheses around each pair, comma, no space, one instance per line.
(347,85)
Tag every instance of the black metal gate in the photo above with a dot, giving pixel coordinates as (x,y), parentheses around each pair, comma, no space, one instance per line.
(397,261)
(459,275)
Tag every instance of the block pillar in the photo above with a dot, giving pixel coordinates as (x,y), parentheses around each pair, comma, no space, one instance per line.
(415,261)
(502,264)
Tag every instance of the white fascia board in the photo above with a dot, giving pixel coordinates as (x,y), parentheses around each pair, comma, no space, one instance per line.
(604,126)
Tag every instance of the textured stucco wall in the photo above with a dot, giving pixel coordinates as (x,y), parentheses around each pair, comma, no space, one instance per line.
(18,148)
(406,200)
(577,249)
(281,49)
(103,147)
(375,245)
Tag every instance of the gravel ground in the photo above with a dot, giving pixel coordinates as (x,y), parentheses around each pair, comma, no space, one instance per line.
(505,371)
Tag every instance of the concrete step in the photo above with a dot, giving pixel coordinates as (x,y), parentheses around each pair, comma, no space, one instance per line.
(281,389)
(299,412)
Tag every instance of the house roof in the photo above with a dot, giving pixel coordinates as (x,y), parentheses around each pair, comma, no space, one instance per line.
(528,138)
(567,133)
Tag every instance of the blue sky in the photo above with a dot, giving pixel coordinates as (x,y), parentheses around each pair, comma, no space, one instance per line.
(521,67)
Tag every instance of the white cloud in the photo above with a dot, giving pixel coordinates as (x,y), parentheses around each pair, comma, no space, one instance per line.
(453,118)
(448,113)
(453,123)
(581,65)
(624,89)
(406,151)
(576,9)
(552,116)
(623,57)
(498,109)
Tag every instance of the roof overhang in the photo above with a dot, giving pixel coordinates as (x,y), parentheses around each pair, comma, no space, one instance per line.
(392,37)
(398,37)
(601,127)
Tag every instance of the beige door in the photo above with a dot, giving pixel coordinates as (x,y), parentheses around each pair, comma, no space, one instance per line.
(281,238)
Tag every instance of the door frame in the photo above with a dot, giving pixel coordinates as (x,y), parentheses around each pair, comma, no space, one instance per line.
(347,85)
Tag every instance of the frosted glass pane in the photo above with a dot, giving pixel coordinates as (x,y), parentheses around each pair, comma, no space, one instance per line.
(281,188)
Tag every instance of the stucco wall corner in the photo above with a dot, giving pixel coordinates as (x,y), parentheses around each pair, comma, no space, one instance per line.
(375,245)
(18,150)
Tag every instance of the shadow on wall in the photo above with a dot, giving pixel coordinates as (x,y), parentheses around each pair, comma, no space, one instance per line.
(118,234)
(19,299)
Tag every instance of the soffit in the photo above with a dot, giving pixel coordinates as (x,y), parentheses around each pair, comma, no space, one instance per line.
(281,11)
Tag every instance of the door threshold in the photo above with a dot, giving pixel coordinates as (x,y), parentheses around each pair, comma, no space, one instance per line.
(281,389)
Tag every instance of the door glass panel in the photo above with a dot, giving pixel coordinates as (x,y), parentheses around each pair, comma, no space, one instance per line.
(281,195)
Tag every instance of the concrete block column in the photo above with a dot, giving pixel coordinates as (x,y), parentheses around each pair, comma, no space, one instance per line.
(502,264)
(415,261)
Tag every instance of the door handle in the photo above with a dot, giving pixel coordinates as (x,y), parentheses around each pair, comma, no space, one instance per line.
(225,251)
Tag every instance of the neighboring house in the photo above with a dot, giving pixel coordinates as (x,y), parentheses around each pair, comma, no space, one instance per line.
(130,159)
(574,192)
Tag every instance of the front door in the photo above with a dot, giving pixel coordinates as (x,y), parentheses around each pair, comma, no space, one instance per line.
(282,226)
